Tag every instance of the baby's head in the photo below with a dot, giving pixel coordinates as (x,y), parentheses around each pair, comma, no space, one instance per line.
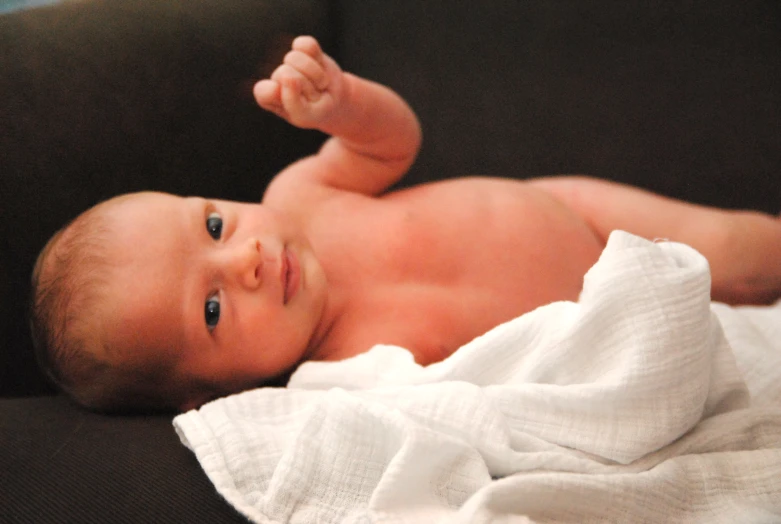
(153,301)
(70,286)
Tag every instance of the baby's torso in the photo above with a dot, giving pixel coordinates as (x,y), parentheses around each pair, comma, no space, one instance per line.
(431,267)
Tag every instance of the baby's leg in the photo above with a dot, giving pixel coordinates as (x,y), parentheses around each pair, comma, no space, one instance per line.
(742,247)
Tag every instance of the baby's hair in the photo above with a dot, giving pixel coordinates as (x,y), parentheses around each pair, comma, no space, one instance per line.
(68,283)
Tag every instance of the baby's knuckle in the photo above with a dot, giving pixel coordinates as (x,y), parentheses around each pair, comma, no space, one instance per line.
(291,56)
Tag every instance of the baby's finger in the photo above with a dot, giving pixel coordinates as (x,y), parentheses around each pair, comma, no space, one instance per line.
(267,93)
(268,96)
(309,67)
(308,45)
(303,84)
(292,99)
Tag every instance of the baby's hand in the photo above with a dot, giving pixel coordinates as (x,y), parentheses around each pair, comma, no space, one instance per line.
(306,89)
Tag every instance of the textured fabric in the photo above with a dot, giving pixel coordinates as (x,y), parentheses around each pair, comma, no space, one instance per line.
(640,402)
(63,464)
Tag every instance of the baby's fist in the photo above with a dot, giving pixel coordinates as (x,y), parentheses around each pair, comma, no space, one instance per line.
(306,89)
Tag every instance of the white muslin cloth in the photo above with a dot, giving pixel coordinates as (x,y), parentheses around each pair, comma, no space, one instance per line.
(642,402)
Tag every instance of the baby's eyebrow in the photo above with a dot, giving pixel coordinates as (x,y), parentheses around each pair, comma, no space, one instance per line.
(199,210)
(209,206)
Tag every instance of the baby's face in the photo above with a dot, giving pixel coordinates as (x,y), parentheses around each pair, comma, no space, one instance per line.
(232,291)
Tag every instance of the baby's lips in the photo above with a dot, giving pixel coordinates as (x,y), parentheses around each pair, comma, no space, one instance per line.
(290,275)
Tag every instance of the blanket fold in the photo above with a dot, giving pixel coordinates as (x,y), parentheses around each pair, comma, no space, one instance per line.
(642,383)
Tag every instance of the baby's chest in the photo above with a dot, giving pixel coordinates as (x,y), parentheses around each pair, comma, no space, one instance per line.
(432,269)
(418,247)
(431,321)
(480,236)
(447,241)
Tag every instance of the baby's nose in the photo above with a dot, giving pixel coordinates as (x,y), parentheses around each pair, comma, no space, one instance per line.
(246,263)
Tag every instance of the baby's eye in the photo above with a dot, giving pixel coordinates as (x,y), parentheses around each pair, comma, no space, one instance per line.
(214,225)
(212,312)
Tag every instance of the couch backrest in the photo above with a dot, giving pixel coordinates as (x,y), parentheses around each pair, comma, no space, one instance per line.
(680,97)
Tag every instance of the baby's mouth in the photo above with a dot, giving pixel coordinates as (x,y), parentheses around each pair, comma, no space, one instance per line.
(290,275)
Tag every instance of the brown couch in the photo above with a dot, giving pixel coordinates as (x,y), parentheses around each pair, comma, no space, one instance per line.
(99,97)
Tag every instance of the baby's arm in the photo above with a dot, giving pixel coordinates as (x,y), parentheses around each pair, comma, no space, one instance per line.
(375,136)
(742,247)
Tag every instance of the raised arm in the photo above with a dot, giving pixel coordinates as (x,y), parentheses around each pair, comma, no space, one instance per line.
(375,136)
(742,247)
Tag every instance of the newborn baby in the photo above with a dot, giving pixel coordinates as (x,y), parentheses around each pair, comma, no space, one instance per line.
(154,301)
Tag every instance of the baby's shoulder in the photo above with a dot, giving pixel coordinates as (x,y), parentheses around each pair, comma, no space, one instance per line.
(298,195)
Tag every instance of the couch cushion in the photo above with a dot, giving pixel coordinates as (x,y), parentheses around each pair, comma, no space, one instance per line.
(59,463)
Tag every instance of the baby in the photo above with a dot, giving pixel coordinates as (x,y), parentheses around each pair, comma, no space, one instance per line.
(151,300)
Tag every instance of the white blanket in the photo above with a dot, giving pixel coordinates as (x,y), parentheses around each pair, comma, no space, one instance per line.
(642,402)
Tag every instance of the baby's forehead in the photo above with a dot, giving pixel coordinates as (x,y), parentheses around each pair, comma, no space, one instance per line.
(139,201)
(147,210)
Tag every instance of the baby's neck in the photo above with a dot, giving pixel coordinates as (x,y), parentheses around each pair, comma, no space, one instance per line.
(324,343)
(418,316)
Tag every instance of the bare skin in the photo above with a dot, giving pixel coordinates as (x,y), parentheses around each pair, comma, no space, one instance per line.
(431,267)
(427,268)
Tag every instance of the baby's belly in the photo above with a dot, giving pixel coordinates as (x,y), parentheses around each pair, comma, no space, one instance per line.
(504,239)
(458,258)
